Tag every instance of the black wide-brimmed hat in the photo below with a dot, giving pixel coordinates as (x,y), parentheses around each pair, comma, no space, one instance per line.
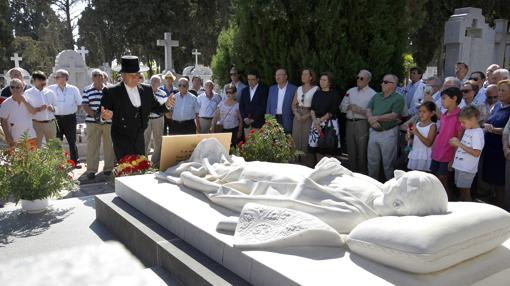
(130,64)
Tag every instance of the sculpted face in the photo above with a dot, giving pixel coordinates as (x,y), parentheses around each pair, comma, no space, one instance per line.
(412,193)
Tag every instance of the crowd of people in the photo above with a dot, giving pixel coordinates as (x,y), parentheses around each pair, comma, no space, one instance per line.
(457,129)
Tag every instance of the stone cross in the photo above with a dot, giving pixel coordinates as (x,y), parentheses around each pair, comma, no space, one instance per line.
(82,51)
(196,53)
(168,43)
(16,59)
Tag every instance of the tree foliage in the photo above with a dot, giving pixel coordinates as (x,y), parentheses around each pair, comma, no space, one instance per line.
(6,36)
(35,32)
(108,30)
(324,35)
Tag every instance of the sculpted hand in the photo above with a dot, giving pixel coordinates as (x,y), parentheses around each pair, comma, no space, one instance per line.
(106,114)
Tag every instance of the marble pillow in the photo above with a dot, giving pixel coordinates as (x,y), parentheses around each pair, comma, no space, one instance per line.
(431,243)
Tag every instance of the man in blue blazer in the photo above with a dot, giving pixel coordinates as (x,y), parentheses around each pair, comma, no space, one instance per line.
(253,102)
(279,102)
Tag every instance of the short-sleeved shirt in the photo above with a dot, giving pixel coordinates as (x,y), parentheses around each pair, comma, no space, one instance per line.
(229,117)
(186,107)
(18,117)
(463,161)
(92,97)
(450,127)
(380,105)
(67,100)
(208,106)
(38,98)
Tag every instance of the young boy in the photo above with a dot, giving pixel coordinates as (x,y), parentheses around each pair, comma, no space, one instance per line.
(442,152)
(468,152)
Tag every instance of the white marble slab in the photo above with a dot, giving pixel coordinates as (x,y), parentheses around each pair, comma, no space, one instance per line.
(192,217)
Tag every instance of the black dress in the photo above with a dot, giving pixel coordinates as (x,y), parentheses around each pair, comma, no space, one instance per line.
(325,102)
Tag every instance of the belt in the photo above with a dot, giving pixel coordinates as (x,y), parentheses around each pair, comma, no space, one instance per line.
(67,115)
(355,119)
(43,121)
(208,118)
(155,117)
(182,121)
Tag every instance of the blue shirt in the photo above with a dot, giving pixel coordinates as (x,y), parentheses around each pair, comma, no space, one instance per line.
(168,92)
(480,96)
(186,107)
(410,90)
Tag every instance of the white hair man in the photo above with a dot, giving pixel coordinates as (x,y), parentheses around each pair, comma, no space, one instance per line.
(383,113)
(207,103)
(355,104)
(488,74)
(97,129)
(68,100)
(16,115)
(156,122)
(13,73)
(185,114)
(499,75)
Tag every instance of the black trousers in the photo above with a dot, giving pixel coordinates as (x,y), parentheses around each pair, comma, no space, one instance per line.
(166,125)
(132,144)
(183,127)
(66,126)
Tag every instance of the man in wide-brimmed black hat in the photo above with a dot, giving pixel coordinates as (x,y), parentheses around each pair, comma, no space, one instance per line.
(129,104)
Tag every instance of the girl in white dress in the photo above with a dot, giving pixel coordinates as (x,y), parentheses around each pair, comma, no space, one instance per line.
(422,136)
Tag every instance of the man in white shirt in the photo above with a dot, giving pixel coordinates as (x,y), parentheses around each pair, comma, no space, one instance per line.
(354,104)
(207,102)
(16,115)
(156,123)
(68,100)
(41,97)
(461,71)
(279,100)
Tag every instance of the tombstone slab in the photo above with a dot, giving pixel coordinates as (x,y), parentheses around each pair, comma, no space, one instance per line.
(73,62)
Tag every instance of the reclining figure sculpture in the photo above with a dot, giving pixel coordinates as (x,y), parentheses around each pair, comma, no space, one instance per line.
(332,193)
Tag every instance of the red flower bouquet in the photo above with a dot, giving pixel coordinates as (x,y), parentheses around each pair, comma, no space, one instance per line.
(132,165)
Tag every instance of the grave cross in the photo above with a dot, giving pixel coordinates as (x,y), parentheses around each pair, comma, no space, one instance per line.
(82,51)
(168,43)
(16,59)
(196,53)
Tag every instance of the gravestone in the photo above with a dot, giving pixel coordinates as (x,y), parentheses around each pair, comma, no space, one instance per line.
(73,62)
(26,75)
(168,43)
(469,39)
(205,73)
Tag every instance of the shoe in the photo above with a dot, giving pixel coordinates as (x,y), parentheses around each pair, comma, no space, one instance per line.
(91,176)
(107,173)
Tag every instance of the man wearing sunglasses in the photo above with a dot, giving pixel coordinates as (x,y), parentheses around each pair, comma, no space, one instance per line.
(478,78)
(354,104)
(383,113)
(235,77)
(185,113)
(13,73)
(128,104)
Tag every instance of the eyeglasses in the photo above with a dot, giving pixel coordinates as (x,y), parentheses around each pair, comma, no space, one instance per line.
(474,78)
(386,82)
(360,78)
(230,92)
(492,97)
(97,74)
(15,87)
(57,77)
(466,90)
(182,85)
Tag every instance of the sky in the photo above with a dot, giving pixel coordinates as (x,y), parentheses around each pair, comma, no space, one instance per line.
(76,11)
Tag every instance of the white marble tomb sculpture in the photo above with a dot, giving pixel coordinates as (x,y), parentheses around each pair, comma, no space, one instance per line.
(330,192)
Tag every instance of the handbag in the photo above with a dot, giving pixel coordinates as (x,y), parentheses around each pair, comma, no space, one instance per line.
(328,138)
(218,127)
